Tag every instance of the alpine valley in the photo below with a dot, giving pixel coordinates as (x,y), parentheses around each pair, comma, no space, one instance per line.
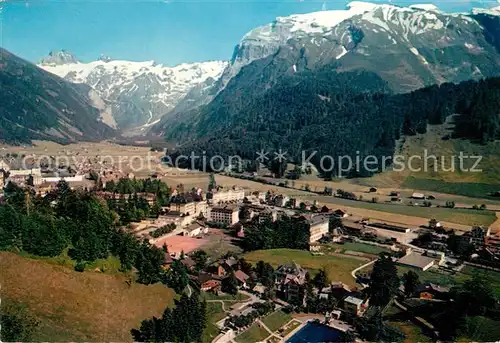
(319,61)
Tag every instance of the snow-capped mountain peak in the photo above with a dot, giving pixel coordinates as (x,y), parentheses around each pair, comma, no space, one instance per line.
(363,28)
(154,88)
(59,58)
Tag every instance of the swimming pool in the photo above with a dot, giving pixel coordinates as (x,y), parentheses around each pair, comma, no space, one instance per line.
(315,333)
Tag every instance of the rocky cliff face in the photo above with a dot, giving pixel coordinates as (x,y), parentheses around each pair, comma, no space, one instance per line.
(408,46)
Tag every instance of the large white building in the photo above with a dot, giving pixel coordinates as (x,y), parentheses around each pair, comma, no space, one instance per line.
(228,214)
(190,208)
(227,195)
(318,227)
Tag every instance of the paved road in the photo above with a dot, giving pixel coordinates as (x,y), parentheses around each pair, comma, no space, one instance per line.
(353,273)
(219,301)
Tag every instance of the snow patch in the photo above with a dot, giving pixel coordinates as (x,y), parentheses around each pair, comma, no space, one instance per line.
(492,11)
(344,51)
(425,7)
(420,57)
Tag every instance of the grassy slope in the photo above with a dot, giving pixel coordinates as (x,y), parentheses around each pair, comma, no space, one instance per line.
(476,183)
(338,269)
(72,306)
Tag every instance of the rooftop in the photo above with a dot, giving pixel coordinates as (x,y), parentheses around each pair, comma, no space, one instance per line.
(353,300)
(416,260)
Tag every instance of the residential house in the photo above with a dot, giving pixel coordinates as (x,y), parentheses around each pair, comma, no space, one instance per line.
(167,261)
(431,291)
(259,289)
(340,213)
(339,290)
(478,235)
(224,267)
(209,282)
(242,278)
(289,281)
(419,196)
(188,262)
(268,214)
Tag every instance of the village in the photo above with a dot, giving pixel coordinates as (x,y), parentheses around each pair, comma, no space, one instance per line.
(266,297)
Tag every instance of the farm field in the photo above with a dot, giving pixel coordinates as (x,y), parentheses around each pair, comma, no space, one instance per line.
(467,217)
(468,189)
(73,306)
(276,320)
(337,268)
(254,334)
(459,219)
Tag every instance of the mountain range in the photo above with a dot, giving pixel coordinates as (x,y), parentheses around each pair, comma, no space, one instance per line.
(409,47)
(36,104)
(402,49)
(137,94)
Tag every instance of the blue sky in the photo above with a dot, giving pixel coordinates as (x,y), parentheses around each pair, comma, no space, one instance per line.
(170,33)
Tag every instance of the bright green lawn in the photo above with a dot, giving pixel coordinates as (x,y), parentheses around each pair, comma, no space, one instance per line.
(337,268)
(469,189)
(276,320)
(254,334)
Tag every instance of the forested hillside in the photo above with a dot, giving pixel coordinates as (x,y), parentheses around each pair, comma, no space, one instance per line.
(339,114)
(35,104)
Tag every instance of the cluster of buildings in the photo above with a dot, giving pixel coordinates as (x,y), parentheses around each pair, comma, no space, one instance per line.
(41,179)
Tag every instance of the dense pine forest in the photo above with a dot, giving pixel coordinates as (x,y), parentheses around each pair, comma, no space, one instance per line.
(338,114)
